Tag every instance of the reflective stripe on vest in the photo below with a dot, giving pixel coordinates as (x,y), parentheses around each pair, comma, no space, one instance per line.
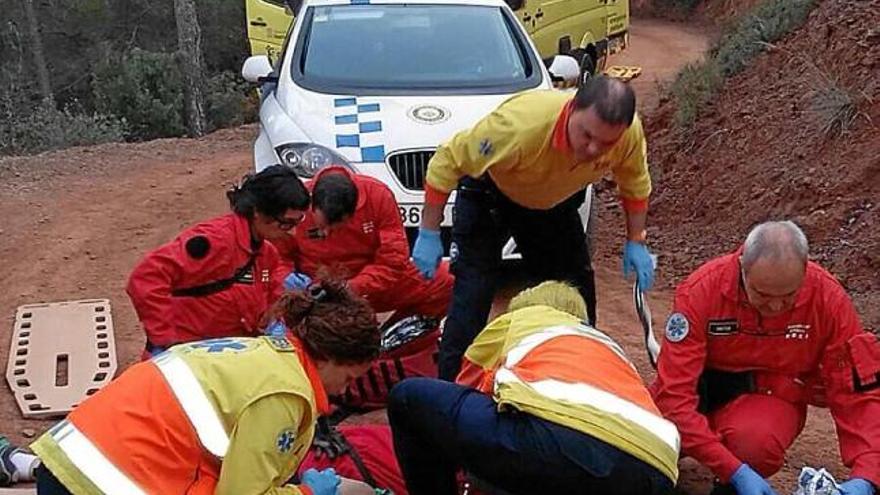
(195,403)
(529,343)
(583,393)
(91,462)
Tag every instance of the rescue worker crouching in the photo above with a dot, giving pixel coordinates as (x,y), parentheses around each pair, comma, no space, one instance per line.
(225,416)
(754,337)
(218,278)
(354,228)
(557,408)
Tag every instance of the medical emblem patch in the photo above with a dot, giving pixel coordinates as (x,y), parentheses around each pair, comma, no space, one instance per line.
(485,147)
(677,327)
(285,441)
(220,345)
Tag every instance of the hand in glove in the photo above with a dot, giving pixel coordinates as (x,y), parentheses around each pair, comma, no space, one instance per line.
(856,486)
(748,482)
(427,252)
(297,281)
(324,482)
(637,259)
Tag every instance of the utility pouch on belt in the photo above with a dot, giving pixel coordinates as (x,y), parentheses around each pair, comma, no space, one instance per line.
(864,351)
(716,388)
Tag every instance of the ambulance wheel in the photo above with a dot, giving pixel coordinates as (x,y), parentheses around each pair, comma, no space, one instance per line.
(587,62)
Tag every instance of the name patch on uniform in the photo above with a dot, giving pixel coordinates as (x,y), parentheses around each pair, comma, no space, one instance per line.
(677,327)
(285,441)
(723,327)
(798,331)
(246,277)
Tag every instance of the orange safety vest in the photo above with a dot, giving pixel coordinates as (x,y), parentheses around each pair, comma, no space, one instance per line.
(164,432)
(574,375)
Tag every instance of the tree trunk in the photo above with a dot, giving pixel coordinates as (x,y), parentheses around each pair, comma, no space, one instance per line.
(39,59)
(189,46)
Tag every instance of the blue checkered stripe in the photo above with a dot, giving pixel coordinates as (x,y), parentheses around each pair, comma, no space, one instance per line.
(358,125)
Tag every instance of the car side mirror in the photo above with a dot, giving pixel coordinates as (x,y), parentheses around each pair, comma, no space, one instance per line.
(563,68)
(258,69)
(516,4)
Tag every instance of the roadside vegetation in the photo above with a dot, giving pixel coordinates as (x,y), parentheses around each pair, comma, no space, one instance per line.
(741,40)
(91,71)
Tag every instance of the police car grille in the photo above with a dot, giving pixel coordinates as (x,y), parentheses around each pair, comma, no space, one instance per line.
(410,167)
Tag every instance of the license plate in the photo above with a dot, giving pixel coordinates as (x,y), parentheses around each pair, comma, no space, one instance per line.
(411,215)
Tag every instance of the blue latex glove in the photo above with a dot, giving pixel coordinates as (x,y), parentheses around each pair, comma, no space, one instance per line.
(637,259)
(748,482)
(297,281)
(276,329)
(324,482)
(857,486)
(427,252)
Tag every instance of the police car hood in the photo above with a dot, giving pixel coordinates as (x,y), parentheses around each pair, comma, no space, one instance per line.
(365,129)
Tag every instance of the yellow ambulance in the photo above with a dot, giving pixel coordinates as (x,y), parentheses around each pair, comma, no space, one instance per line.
(588,30)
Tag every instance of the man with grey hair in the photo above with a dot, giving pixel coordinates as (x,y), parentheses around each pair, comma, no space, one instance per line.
(754,337)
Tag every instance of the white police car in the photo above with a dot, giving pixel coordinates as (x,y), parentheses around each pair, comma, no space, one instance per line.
(377,85)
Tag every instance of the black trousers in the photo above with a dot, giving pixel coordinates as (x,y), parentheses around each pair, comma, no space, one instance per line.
(552,244)
(441,427)
(48,484)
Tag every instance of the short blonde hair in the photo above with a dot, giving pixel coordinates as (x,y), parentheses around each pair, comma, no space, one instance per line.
(557,295)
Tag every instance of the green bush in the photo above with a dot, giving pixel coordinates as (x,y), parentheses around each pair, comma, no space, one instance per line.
(767,23)
(693,88)
(739,43)
(143,88)
(46,128)
(229,101)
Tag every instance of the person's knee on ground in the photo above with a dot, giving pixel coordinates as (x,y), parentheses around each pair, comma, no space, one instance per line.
(759,429)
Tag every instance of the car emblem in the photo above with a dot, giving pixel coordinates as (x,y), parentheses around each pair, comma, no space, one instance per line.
(429,114)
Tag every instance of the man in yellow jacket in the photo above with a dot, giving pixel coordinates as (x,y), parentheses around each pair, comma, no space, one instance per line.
(522,171)
(223,416)
(557,408)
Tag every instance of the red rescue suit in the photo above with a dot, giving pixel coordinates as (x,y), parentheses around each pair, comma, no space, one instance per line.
(178,289)
(370,249)
(817,353)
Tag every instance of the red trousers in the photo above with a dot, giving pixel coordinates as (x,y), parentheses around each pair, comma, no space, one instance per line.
(415,295)
(758,429)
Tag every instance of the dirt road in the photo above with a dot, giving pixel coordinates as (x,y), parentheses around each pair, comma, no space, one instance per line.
(75,222)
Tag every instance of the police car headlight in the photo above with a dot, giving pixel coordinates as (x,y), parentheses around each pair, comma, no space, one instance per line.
(307,159)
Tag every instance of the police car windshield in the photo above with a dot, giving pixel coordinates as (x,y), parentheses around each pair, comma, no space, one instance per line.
(351,48)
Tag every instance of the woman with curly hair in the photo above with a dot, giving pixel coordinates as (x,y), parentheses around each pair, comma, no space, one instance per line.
(225,416)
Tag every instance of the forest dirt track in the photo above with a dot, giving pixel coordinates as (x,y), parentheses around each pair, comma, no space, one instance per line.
(75,222)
